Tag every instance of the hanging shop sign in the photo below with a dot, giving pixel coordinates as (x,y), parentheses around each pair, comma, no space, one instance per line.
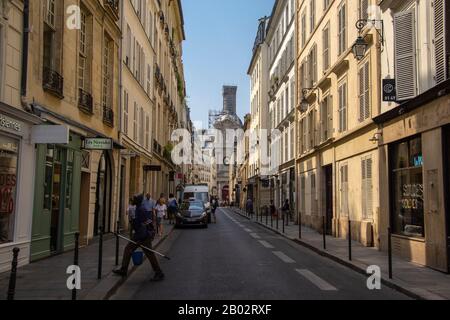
(98,144)
(49,134)
(389,90)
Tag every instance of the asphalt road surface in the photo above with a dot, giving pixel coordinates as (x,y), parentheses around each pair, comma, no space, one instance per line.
(238,260)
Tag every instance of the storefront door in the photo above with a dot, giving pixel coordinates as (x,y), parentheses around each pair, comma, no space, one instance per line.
(329,198)
(57,198)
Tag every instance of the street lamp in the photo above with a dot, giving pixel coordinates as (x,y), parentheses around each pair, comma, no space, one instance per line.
(304,104)
(360,46)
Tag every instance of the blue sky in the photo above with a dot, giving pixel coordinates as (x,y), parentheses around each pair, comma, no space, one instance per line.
(218,49)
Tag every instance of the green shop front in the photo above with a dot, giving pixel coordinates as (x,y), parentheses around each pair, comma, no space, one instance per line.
(56,198)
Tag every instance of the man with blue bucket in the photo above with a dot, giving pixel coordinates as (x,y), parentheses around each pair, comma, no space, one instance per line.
(144,234)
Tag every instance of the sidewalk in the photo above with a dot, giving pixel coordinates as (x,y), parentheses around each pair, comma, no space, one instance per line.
(46,279)
(414,280)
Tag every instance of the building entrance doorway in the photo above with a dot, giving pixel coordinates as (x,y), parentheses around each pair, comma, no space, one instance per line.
(328,171)
(103,196)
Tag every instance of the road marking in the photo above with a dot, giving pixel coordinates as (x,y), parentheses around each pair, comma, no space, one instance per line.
(254,235)
(266,244)
(316,280)
(283,257)
(248,230)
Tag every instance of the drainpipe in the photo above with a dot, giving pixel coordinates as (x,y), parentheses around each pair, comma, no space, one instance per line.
(119,165)
(25,45)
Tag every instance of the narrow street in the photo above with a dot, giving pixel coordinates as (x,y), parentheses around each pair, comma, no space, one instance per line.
(237,260)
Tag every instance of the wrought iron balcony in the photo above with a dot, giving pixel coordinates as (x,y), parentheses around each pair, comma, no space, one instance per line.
(85,101)
(113,5)
(157,148)
(53,82)
(108,116)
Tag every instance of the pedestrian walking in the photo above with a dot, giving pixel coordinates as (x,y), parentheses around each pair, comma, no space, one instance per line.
(131,214)
(161,213)
(172,208)
(149,205)
(214,206)
(144,234)
(273,209)
(249,207)
(286,210)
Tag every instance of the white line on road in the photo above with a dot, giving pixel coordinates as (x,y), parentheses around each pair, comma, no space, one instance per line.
(266,244)
(316,280)
(283,257)
(254,235)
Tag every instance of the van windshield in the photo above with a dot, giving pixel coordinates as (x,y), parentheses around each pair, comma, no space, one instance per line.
(200,196)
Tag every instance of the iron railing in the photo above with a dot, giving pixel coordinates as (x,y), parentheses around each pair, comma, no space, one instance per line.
(53,82)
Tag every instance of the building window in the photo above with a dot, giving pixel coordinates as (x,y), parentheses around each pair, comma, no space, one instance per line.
(342,28)
(326,4)
(367,188)
(149,78)
(292,148)
(125,112)
(128,48)
(364,91)
(326,118)
(344,190)
(9,153)
(312,16)
(107,72)
(85,56)
(405,54)
(311,128)
(135,122)
(326,47)
(141,126)
(342,90)
(147,132)
(303,28)
(407,185)
(312,67)
(363,8)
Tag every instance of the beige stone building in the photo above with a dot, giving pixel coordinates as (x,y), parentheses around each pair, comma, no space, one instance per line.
(259,129)
(338,96)
(17,151)
(72,81)
(153,96)
(413,137)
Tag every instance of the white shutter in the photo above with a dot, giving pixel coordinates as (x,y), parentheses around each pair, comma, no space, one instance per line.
(439,41)
(361,94)
(330,117)
(369,193)
(405,54)
(367,103)
(363,188)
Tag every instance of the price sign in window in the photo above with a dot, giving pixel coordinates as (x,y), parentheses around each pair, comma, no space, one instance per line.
(9,149)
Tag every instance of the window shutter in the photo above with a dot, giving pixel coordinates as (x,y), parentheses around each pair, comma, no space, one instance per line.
(363,188)
(330,117)
(439,41)
(361,94)
(364,6)
(366,91)
(369,188)
(405,54)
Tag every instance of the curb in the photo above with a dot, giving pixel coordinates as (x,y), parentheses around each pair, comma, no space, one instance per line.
(339,260)
(122,281)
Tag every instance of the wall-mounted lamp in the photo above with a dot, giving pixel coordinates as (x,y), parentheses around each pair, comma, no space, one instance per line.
(360,46)
(304,104)
(376,137)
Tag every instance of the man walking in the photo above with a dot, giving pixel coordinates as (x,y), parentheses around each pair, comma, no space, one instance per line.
(149,205)
(249,207)
(144,234)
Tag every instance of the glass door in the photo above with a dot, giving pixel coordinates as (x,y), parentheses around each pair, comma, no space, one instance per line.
(55,196)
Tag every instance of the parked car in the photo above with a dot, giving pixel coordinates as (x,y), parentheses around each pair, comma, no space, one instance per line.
(192,212)
(199,193)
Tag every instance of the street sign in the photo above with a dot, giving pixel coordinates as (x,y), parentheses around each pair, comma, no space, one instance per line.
(389,90)
(98,144)
(48,134)
(153,168)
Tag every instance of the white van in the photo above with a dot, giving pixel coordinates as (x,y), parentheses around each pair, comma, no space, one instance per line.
(198,192)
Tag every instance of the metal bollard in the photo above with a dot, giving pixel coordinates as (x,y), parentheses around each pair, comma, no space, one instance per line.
(100,254)
(13,276)
(324,231)
(390,252)
(117,242)
(75,260)
(349,240)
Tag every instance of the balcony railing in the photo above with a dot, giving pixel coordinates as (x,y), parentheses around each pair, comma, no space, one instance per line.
(53,82)
(157,147)
(108,116)
(113,5)
(85,101)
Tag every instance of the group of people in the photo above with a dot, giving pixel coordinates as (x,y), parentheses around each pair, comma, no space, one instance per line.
(249,208)
(145,216)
